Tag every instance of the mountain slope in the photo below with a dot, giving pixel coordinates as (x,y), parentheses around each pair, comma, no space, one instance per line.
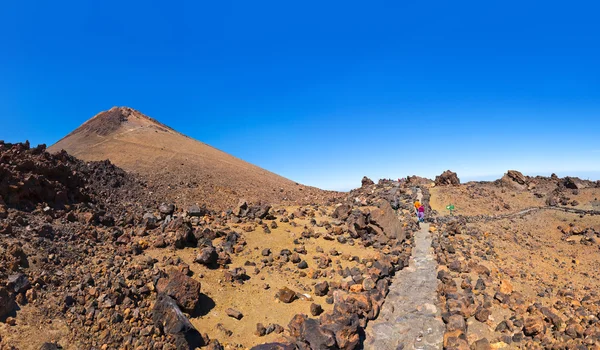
(181,168)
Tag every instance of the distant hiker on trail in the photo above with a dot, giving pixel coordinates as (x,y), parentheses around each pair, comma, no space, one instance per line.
(417,205)
(421,213)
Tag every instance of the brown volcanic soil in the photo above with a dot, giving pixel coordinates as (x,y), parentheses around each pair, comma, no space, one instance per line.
(260,305)
(528,281)
(482,198)
(90,260)
(178,167)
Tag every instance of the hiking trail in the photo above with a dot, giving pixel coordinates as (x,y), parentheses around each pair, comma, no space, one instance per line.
(410,317)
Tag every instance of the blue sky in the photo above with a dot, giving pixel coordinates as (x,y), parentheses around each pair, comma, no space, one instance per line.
(320,92)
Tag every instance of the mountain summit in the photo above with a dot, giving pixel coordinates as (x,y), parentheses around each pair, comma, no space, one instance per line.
(107,122)
(186,170)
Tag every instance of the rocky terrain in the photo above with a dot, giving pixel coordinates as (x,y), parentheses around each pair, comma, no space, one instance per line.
(178,167)
(93,259)
(528,279)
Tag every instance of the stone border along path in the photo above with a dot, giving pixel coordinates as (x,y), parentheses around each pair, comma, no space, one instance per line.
(410,318)
(477,218)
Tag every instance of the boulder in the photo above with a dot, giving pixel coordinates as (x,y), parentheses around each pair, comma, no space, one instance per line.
(183,289)
(207,256)
(7,302)
(572,183)
(517,177)
(195,210)
(447,178)
(341,212)
(316,309)
(385,217)
(514,179)
(321,289)
(345,327)
(367,182)
(19,283)
(241,209)
(315,336)
(166,209)
(534,326)
(167,316)
(286,295)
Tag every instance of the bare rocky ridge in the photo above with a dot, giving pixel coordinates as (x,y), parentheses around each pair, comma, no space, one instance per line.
(177,167)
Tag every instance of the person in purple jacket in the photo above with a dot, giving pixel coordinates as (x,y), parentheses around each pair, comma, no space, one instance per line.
(421,214)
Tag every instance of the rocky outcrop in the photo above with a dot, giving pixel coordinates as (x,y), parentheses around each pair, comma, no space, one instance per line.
(447,178)
(366,182)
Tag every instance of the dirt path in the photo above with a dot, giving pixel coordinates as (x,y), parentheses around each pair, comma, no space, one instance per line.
(409,318)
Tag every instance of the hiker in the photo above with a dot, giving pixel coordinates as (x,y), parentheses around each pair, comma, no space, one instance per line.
(421,214)
(417,205)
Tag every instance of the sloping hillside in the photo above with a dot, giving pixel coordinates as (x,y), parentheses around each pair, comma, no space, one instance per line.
(181,168)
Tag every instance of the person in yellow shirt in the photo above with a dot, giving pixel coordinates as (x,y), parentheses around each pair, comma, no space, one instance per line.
(417,205)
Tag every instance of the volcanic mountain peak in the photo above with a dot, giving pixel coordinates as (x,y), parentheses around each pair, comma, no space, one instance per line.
(108,122)
(188,170)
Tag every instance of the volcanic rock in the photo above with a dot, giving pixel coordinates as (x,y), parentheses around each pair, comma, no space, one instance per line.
(7,302)
(167,316)
(234,313)
(447,178)
(367,182)
(286,295)
(183,289)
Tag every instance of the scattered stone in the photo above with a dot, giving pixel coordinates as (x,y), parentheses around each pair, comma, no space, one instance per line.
(321,289)
(316,309)
(207,256)
(534,326)
(234,313)
(286,295)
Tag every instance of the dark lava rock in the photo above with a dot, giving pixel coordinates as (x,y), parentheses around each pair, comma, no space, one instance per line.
(367,182)
(321,289)
(234,313)
(286,295)
(303,265)
(316,309)
(317,337)
(194,210)
(19,283)
(447,178)
(166,209)
(7,303)
(185,290)
(207,256)
(482,314)
(167,316)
